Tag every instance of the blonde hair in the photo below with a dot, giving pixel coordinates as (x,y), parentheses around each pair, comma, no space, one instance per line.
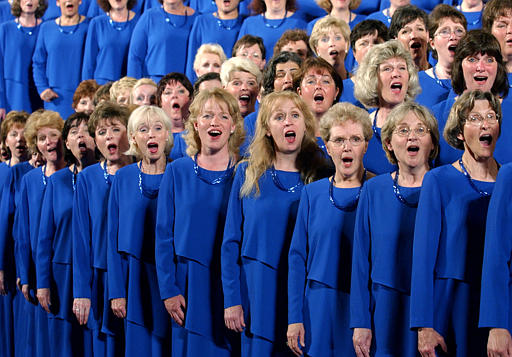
(38,120)
(238,64)
(366,84)
(120,86)
(141,82)
(145,114)
(341,113)
(323,26)
(398,114)
(212,48)
(218,95)
(327,5)
(262,151)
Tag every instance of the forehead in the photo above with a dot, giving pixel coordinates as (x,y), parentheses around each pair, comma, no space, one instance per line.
(410,118)
(368,36)
(416,22)
(284,104)
(215,103)
(446,21)
(210,56)
(145,88)
(295,44)
(286,65)
(15,126)
(47,130)
(347,126)
(241,75)
(249,48)
(109,122)
(481,105)
(504,15)
(317,71)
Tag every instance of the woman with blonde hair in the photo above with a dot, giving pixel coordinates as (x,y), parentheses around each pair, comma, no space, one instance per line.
(283,157)
(208,58)
(132,281)
(188,263)
(143,92)
(121,90)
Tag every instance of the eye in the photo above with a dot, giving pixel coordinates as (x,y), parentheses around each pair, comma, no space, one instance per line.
(181,91)
(41,138)
(338,38)
(226,117)
(490,60)
(116,130)
(166,93)
(324,39)
(142,129)
(295,115)
(472,59)
(101,132)
(279,117)
(356,139)
(207,116)
(338,141)
(279,74)
(459,32)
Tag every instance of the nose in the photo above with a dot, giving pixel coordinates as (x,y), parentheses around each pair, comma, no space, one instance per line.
(288,77)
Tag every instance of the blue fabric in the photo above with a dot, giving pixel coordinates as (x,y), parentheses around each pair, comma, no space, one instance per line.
(367,7)
(426,5)
(208,6)
(382,263)
(495,304)
(250,130)
(179,147)
(319,269)
(17,88)
(357,19)
(379,15)
(5,12)
(95,10)
(54,70)
(258,25)
(261,237)
(309,10)
(53,11)
(106,49)
(448,249)
(474,20)
(431,91)
(206,29)
(159,47)
(348,93)
(130,258)
(187,253)
(375,159)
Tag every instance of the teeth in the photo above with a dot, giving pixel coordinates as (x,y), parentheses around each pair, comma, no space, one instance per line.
(480,78)
(215,133)
(413,148)
(289,134)
(244,97)
(318,97)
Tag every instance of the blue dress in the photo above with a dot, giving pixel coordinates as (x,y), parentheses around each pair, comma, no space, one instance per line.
(89,223)
(54,270)
(380,16)
(375,159)
(381,266)
(254,259)
(209,29)
(17,88)
(106,49)
(5,12)
(433,90)
(368,7)
(179,147)
(348,93)
(52,69)
(159,44)
(319,268)
(495,303)
(447,259)
(270,30)
(131,267)
(188,259)
(26,221)
(357,19)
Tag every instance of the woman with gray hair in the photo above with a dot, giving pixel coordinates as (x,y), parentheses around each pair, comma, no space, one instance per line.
(132,280)
(386,77)
(187,259)
(450,230)
(319,261)
(381,263)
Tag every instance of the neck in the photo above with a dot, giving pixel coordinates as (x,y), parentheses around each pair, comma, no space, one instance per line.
(342,14)
(275,14)
(227,15)
(285,161)
(411,176)
(54,166)
(443,70)
(84,162)
(471,7)
(69,20)
(508,65)
(14,160)
(349,181)
(113,166)
(422,63)
(390,10)
(382,114)
(27,20)
(339,66)
(175,8)
(154,167)
(119,15)
(214,160)
(483,169)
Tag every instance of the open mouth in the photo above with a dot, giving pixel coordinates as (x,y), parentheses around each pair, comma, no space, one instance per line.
(452,48)
(480,79)
(214,133)
(153,148)
(416,45)
(413,148)
(290,136)
(175,106)
(112,148)
(333,53)
(486,139)
(319,98)
(244,99)
(70,6)
(82,146)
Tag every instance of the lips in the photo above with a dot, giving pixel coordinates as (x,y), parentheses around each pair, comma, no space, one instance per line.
(290,136)
(452,48)
(333,53)
(486,139)
(347,161)
(153,147)
(396,87)
(175,105)
(413,148)
(214,133)
(416,45)
(480,79)
(318,98)
(112,148)
(244,99)
(82,146)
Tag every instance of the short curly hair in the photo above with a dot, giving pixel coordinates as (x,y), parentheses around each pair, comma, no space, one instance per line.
(440,13)
(85,89)
(258,6)
(269,75)
(293,35)
(327,5)
(41,8)
(318,63)
(325,24)
(13,118)
(494,9)
(404,15)
(39,120)
(340,113)
(169,78)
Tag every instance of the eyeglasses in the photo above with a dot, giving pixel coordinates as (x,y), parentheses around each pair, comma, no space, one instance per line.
(476,119)
(354,141)
(405,131)
(446,32)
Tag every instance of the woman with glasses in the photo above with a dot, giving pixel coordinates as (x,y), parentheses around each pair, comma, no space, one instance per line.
(384,228)
(450,230)
(446,26)
(319,261)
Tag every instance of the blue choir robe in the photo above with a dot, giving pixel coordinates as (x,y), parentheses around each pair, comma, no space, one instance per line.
(433,90)
(250,130)
(375,159)
(495,302)
(474,19)
(319,268)
(131,271)
(381,266)
(270,30)
(447,259)
(187,255)
(106,49)
(5,12)
(17,88)
(348,93)
(209,29)
(382,16)
(53,11)
(89,222)
(54,264)
(159,44)
(368,7)
(52,69)
(179,147)
(426,5)
(26,221)
(254,259)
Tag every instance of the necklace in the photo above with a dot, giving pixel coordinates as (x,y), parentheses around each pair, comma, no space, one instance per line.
(438,81)
(22,28)
(143,190)
(73,178)
(119,26)
(221,24)
(44,175)
(169,21)
(470,180)
(225,175)
(388,18)
(351,206)
(280,186)
(105,173)
(374,125)
(398,194)
(274,26)
(70,32)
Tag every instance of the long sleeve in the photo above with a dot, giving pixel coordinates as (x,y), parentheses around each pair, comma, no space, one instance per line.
(6,219)
(425,248)
(495,303)
(90,52)
(39,64)
(45,239)
(82,271)
(3,44)
(231,245)
(164,238)
(22,232)
(194,42)
(360,315)
(138,49)
(297,260)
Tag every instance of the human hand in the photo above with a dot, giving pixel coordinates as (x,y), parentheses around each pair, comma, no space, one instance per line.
(499,343)
(362,340)
(2,284)
(234,318)
(43,295)
(176,307)
(81,308)
(295,335)
(118,307)
(428,340)
(48,95)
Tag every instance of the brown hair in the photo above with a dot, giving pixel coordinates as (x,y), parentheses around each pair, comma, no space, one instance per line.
(85,89)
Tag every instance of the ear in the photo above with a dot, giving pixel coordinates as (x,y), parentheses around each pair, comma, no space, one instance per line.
(263,63)
(388,145)
(365,147)
(460,136)
(195,125)
(337,91)
(299,91)
(67,145)
(431,43)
